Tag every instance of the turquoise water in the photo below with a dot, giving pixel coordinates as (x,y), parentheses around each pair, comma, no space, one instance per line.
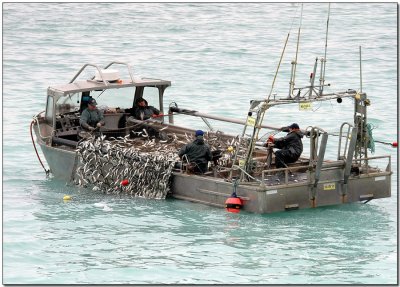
(218,57)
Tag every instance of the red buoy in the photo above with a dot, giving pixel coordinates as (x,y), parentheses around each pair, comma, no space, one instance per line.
(394,144)
(125,182)
(233,204)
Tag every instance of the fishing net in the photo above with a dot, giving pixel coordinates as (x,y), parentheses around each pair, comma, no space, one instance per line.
(371,142)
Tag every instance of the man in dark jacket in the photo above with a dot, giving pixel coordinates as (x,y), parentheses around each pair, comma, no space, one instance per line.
(143,111)
(290,147)
(197,153)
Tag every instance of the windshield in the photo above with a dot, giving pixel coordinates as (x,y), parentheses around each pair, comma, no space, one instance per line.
(49,111)
(114,98)
(150,94)
(67,104)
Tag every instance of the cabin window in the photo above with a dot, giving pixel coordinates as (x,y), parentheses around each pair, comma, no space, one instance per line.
(67,104)
(49,111)
(151,95)
(114,98)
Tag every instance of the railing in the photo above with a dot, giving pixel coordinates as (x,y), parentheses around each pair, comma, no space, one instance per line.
(237,167)
(367,159)
(35,118)
(122,63)
(84,66)
(101,73)
(286,170)
(349,126)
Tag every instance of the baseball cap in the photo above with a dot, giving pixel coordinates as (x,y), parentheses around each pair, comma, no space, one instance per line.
(199,133)
(92,102)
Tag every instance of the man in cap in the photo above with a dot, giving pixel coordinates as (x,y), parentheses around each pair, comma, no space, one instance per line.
(92,118)
(289,147)
(197,152)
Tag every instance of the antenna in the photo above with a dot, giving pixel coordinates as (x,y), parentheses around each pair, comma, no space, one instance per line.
(323,60)
(360,73)
(280,59)
(294,63)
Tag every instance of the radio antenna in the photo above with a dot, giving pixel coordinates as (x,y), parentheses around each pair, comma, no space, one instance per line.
(294,63)
(360,73)
(323,60)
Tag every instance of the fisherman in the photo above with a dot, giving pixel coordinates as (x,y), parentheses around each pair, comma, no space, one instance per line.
(289,147)
(197,152)
(143,111)
(92,118)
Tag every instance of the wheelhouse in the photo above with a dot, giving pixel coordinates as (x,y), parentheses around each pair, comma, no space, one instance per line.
(73,97)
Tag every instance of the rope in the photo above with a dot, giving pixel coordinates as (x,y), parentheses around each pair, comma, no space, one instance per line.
(393,144)
(47,171)
(235,184)
(133,126)
(267,134)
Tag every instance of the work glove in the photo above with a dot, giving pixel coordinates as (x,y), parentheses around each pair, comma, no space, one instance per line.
(284,129)
(99,124)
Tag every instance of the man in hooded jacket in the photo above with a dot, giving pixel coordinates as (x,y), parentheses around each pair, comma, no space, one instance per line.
(289,147)
(197,153)
(143,111)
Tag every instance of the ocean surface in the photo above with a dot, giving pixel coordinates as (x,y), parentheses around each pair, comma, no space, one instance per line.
(218,56)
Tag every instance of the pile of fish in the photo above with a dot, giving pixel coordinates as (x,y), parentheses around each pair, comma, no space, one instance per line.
(116,166)
(137,165)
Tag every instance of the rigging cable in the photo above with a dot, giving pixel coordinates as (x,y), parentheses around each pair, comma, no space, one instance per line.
(372,140)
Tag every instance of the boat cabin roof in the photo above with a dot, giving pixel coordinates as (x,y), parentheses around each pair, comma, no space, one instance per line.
(90,85)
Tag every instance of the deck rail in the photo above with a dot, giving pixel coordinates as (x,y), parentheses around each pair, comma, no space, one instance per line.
(368,159)
(337,164)
(36,119)
(286,170)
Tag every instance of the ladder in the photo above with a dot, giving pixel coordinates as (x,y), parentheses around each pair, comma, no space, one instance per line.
(246,144)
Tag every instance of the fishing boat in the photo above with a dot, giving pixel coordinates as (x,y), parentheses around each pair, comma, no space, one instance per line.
(242,174)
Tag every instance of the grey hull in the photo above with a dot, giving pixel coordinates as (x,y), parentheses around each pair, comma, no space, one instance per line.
(257,198)
(283,197)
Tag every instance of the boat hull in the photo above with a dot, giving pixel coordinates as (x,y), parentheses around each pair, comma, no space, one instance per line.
(256,198)
(284,197)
